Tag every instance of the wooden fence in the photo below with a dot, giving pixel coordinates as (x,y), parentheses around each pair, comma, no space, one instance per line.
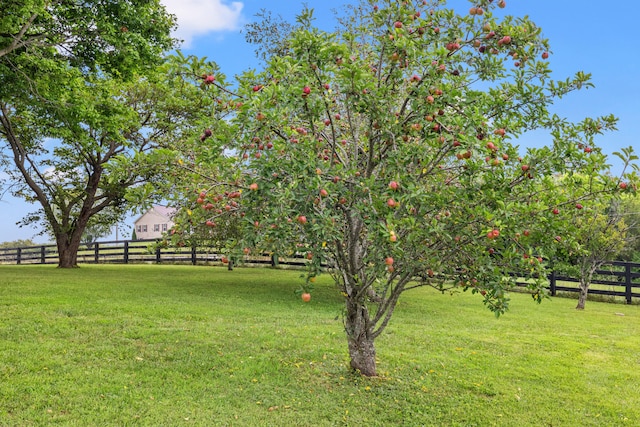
(617,279)
(131,251)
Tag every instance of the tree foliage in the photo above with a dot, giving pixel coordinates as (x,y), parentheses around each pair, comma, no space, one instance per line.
(599,233)
(20,243)
(388,152)
(116,37)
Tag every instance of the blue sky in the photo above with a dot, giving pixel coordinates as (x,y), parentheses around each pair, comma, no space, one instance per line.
(597,37)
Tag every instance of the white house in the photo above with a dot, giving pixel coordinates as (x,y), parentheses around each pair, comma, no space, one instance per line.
(154,222)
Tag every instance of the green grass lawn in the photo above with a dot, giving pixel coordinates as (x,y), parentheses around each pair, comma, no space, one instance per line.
(157,345)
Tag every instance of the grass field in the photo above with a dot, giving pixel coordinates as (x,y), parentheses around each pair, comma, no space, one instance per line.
(149,345)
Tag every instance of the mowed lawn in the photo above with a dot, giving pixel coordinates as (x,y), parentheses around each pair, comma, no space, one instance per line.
(157,345)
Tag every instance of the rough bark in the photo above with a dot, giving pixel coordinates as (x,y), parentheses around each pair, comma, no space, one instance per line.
(360,338)
(363,355)
(68,254)
(584,292)
(586,275)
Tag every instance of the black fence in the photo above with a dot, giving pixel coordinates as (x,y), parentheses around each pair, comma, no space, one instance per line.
(616,279)
(133,251)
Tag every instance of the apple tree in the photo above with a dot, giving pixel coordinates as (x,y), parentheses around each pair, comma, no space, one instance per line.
(629,208)
(387,152)
(601,227)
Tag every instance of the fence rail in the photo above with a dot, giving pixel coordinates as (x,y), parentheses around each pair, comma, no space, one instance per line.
(615,278)
(131,251)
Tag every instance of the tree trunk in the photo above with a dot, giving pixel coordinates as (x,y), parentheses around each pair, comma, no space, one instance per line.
(360,339)
(363,355)
(584,292)
(68,251)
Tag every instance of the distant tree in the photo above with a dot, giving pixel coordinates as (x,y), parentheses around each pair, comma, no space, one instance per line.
(270,34)
(600,234)
(387,151)
(93,232)
(629,210)
(21,243)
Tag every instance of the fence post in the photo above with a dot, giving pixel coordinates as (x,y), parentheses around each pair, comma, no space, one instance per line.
(627,279)
(96,252)
(42,254)
(194,257)
(158,254)
(552,283)
(19,255)
(126,252)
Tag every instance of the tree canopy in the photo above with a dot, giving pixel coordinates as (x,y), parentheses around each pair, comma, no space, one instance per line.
(388,152)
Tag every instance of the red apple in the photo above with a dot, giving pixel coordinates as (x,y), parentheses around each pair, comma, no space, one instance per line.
(306,296)
(253,186)
(388,260)
(302,219)
(394,185)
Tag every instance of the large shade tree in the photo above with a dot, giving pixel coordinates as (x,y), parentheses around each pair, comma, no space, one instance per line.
(78,162)
(388,152)
(69,105)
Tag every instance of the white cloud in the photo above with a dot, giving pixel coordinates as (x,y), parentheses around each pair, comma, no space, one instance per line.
(199,17)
